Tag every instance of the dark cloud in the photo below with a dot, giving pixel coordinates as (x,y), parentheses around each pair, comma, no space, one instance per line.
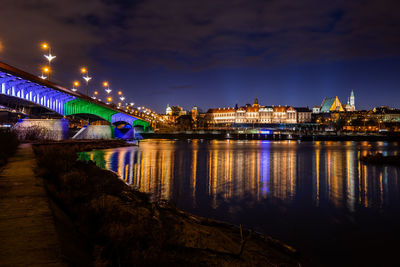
(202,34)
(121,38)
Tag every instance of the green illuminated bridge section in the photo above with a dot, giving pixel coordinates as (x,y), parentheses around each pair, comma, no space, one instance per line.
(80,106)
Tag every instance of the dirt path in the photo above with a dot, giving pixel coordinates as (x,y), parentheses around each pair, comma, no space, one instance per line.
(27,233)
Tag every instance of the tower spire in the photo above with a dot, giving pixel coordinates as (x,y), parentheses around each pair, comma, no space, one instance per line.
(352,99)
(255,102)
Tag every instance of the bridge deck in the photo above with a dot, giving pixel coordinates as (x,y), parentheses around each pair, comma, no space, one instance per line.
(27,231)
(20,84)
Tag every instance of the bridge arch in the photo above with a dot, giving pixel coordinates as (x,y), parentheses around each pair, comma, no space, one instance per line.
(80,106)
(18,84)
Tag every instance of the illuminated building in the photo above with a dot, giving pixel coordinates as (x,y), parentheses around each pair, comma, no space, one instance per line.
(256,114)
(315,110)
(173,112)
(350,106)
(194,113)
(303,115)
(331,104)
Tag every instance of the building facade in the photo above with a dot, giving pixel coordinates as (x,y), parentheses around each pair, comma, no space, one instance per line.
(256,114)
(330,105)
(333,105)
(351,102)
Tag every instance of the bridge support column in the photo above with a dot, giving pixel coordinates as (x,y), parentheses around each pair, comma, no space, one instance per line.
(95,132)
(42,129)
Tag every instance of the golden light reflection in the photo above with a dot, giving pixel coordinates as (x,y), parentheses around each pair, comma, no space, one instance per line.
(317,160)
(194,172)
(253,170)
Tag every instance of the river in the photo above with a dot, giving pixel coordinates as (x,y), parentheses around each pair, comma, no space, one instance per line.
(316,196)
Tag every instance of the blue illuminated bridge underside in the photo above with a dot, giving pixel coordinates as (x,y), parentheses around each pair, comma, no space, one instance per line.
(19,84)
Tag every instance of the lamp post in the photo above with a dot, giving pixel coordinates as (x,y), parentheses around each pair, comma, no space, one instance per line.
(45,70)
(131,106)
(107,86)
(75,84)
(95,94)
(86,77)
(107,89)
(49,57)
(121,97)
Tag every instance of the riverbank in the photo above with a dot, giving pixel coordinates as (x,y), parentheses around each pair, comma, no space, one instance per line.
(123,227)
(223,135)
(85,145)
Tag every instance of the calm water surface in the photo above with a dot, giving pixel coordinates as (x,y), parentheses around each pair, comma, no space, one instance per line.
(315,196)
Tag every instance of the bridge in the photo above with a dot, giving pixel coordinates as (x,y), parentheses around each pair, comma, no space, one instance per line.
(28,90)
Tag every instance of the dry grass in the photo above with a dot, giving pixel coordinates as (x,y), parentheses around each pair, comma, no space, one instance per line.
(126,229)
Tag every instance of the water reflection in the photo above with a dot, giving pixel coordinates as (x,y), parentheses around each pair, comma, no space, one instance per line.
(316,196)
(327,172)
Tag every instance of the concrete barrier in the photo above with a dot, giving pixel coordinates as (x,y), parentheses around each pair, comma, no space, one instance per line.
(95,132)
(42,129)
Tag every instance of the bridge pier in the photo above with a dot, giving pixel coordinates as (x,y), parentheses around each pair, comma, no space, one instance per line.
(42,129)
(95,132)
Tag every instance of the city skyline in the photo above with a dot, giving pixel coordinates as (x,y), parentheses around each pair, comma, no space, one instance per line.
(209,54)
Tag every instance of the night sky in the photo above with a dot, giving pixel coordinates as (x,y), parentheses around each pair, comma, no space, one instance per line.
(214,53)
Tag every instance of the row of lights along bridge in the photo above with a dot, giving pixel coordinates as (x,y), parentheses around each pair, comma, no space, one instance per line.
(143,111)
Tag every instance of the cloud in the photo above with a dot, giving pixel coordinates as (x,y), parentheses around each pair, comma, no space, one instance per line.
(196,35)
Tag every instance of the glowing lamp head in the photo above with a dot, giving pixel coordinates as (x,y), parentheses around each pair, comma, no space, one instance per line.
(96,93)
(109,99)
(83,70)
(119,93)
(105,84)
(45,46)
(76,83)
(46,69)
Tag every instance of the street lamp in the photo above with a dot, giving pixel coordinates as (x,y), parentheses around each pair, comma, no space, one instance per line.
(75,84)
(95,94)
(107,86)
(109,99)
(121,97)
(86,77)
(49,57)
(45,70)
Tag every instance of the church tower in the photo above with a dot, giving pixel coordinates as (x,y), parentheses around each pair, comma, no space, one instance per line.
(255,102)
(352,100)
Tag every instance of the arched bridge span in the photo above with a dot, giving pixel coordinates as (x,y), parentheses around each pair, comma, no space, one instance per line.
(19,84)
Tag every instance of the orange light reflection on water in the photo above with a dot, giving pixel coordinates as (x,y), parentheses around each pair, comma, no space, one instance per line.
(232,170)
